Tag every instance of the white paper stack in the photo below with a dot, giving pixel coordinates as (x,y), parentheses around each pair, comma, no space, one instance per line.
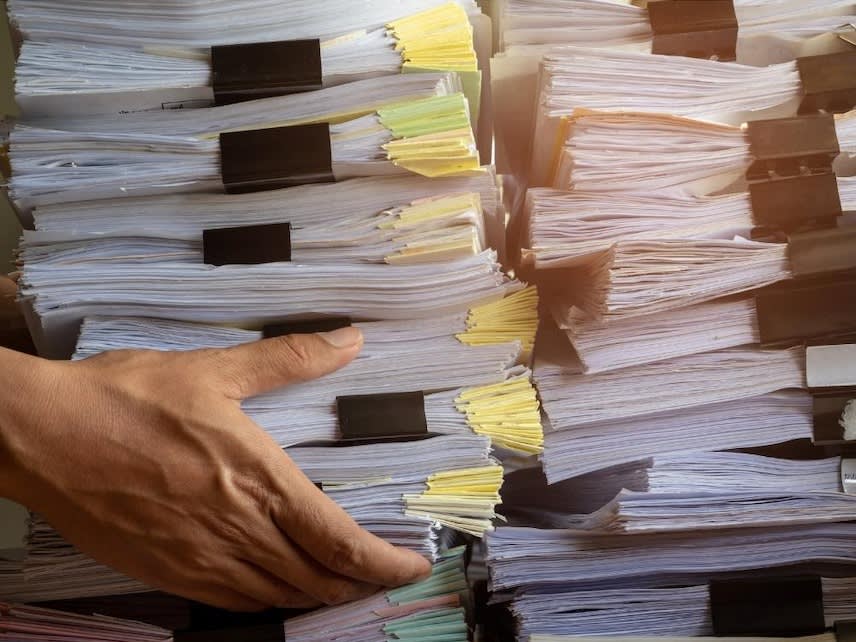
(54,165)
(572,399)
(254,294)
(632,612)
(186,23)
(20,623)
(726,490)
(781,26)
(660,154)
(566,229)
(528,557)
(433,608)
(637,278)
(573,78)
(468,376)
(112,79)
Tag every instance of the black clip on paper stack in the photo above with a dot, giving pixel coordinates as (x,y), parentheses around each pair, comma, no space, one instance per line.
(828,82)
(310,326)
(792,146)
(264,159)
(247,245)
(382,416)
(244,72)
(816,311)
(791,182)
(767,607)
(694,28)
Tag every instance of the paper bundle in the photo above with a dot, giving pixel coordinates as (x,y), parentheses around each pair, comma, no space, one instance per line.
(433,608)
(187,23)
(430,137)
(20,623)
(632,612)
(463,364)
(747,423)
(528,557)
(255,294)
(611,24)
(567,229)
(110,79)
(662,154)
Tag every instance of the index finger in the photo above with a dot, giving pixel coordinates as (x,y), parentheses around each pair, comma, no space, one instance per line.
(327,533)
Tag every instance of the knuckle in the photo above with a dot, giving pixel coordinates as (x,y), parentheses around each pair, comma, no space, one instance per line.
(336,593)
(294,353)
(344,555)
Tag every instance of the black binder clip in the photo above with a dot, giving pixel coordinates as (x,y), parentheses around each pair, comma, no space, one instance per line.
(694,28)
(796,202)
(400,414)
(305,327)
(264,159)
(775,607)
(828,82)
(792,146)
(260,70)
(824,251)
(797,312)
(249,245)
(845,631)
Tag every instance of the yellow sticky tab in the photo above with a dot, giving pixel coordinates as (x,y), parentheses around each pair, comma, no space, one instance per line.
(514,318)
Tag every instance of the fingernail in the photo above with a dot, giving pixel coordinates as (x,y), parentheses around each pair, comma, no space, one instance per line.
(343,337)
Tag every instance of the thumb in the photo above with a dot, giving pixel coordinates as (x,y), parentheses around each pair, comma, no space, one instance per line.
(253,368)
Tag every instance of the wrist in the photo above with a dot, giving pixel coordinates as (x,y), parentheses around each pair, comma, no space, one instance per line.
(25,384)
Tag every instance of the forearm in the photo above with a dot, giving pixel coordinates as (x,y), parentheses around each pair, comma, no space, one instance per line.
(24,386)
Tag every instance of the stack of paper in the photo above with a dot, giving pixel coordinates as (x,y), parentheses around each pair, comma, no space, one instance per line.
(20,623)
(724,490)
(465,370)
(433,608)
(662,154)
(255,294)
(574,78)
(769,32)
(611,24)
(635,278)
(430,137)
(529,557)
(185,23)
(119,79)
(567,229)
(630,612)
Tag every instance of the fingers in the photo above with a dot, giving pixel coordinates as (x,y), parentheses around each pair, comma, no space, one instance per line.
(263,588)
(328,534)
(281,559)
(254,368)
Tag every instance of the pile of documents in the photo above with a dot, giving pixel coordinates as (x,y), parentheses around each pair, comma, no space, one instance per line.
(682,175)
(670,213)
(433,608)
(204,177)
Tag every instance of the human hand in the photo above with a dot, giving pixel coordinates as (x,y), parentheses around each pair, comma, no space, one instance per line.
(145,461)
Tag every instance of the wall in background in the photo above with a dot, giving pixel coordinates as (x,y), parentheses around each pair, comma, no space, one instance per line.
(11,516)
(9,228)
